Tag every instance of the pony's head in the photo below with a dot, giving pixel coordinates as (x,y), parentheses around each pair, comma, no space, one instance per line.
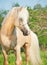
(23,19)
(17,16)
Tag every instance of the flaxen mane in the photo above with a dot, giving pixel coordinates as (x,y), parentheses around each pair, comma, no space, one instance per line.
(8,23)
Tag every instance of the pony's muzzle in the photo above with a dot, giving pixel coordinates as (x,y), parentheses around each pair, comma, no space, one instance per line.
(25,32)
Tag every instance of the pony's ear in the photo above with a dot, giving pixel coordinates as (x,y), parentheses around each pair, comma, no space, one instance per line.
(25,7)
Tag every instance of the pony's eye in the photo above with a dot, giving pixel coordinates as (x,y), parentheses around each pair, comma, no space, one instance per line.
(20,21)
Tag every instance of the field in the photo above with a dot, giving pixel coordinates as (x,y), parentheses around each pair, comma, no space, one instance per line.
(11,58)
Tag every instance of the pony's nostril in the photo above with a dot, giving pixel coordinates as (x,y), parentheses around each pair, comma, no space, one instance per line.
(27,32)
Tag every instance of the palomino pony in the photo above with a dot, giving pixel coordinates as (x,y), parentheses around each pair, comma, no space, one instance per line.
(15,33)
(9,33)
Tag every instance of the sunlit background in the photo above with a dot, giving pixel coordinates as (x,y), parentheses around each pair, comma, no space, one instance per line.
(7,4)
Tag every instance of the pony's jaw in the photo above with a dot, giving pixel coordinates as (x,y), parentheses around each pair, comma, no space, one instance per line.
(25,29)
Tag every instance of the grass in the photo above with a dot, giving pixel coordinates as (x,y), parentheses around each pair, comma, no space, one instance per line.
(11,58)
(44,57)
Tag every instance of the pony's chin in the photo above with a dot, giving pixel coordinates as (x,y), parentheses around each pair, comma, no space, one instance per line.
(25,34)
